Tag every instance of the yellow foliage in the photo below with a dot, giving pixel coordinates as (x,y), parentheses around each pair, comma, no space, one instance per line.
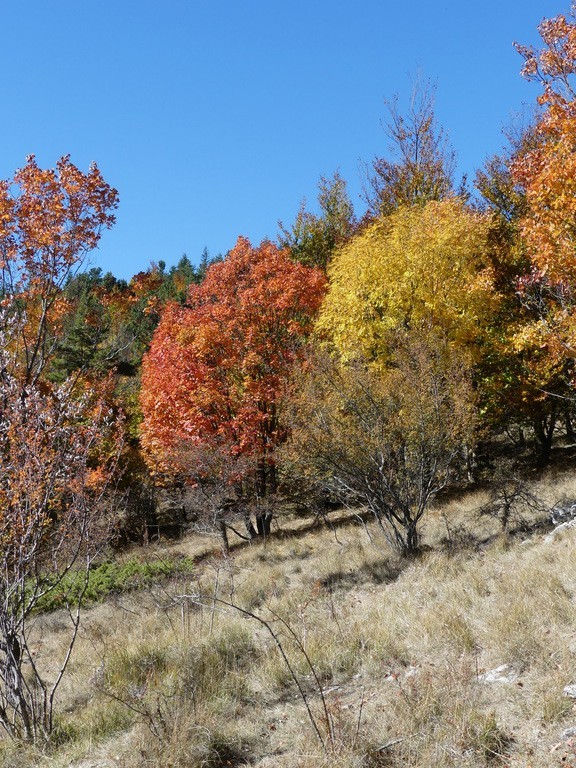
(422,265)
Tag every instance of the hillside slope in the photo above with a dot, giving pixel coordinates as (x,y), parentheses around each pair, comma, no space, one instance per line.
(322,648)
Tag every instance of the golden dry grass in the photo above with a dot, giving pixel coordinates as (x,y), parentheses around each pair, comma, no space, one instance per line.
(174,676)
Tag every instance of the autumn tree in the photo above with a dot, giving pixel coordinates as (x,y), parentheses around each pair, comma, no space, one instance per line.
(547,171)
(50,219)
(388,440)
(523,380)
(54,522)
(421,165)
(527,378)
(58,450)
(420,265)
(217,366)
(409,303)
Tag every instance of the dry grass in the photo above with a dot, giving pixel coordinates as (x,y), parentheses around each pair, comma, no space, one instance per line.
(388,654)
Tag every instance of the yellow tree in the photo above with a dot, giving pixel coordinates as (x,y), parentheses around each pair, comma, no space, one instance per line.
(389,420)
(423,265)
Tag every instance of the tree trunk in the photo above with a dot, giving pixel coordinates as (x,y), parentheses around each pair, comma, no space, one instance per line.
(273,479)
(14,686)
(544,431)
(266,485)
(261,484)
(252,532)
(570,433)
(263,523)
(412,541)
(224,534)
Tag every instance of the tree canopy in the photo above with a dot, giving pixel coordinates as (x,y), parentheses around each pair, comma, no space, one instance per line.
(420,265)
(217,366)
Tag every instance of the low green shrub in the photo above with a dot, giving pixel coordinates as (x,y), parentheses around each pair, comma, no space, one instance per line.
(110,576)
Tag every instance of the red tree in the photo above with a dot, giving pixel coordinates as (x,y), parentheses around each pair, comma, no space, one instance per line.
(217,367)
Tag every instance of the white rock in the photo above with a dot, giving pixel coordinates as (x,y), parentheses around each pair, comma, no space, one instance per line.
(502,674)
(570,691)
(560,529)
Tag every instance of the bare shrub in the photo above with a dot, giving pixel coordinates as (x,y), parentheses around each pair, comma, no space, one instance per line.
(512,501)
(389,440)
(56,472)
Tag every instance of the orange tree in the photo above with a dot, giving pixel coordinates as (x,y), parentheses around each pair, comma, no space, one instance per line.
(214,377)
(49,220)
(58,448)
(538,343)
(536,188)
(547,172)
(524,374)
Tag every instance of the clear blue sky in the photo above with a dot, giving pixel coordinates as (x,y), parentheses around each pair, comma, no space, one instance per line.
(214,118)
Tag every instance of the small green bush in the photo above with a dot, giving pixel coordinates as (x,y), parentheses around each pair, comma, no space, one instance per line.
(111,576)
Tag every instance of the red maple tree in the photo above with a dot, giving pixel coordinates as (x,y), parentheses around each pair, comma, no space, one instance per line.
(217,367)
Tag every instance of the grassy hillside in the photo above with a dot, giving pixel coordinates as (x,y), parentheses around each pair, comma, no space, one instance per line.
(321,647)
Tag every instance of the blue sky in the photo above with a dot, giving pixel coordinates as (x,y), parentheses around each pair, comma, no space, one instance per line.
(214,118)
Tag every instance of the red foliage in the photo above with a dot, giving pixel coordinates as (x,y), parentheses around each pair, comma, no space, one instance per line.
(217,366)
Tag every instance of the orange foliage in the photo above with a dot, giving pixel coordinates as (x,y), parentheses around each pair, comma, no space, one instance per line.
(49,220)
(548,176)
(547,171)
(217,367)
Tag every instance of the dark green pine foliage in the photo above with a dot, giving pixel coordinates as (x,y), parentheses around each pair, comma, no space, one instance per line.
(110,322)
(85,340)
